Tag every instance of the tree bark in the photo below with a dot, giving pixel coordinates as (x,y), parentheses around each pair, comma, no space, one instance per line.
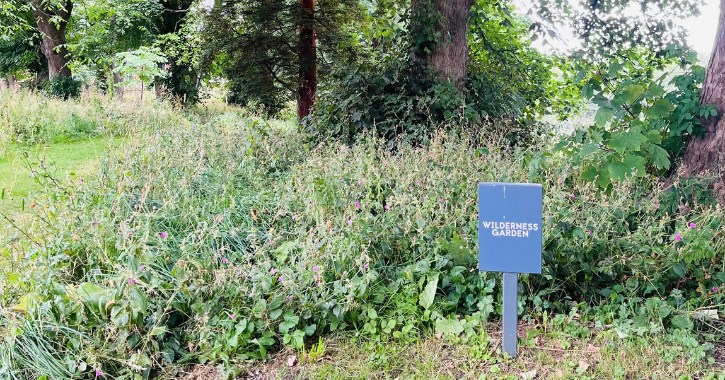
(450,54)
(11,81)
(53,46)
(704,154)
(307,55)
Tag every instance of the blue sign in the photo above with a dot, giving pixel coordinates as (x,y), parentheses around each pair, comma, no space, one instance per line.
(509,227)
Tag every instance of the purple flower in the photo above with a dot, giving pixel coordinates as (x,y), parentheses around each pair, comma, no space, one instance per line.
(95,223)
(290,298)
(140,267)
(349,222)
(131,281)
(657,178)
(365,267)
(441,200)
(386,207)
(99,373)
(714,289)
(315,269)
(280,279)
(572,197)
(589,232)
(163,235)
(678,237)
(273,271)
(357,204)
(224,260)
(657,205)
(366,204)
(692,225)
(233,317)
(251,295)
(419,182)
(319,284)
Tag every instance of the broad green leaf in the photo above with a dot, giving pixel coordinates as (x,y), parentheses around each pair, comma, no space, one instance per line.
(624,141)
(660,108)
(629,93)
(428,295)
(659,156)
(604,114)
(618,170)
(682,322)
(589,173)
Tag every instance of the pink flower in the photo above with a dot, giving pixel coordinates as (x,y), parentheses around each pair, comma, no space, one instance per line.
(419,182)
(251,295)
(232,316)
(131,281)
(280,279)
(678,237)
(386,207)
(589,232)
(99,373)
(319,284)
(365,267)
(714,289)
(315,269)
(163,235)
(95,223)
(290,298)
(572,197)
(349,222)
(224,260)
(657,205)
(140,267)
(273,271)
(692,225)
(441,200)
(360,183)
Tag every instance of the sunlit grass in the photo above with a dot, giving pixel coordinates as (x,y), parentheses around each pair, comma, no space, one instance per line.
(67,160)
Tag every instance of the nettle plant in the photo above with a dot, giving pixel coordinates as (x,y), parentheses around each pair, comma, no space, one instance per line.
(644,116)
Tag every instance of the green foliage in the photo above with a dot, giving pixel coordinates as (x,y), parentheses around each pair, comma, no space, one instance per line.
(257,44)
(140,65)
(216,238)
(61,86)
(643,120)
(390,91)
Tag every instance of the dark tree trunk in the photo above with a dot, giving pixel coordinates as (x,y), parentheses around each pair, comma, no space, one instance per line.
(450,54)
(53,30)
(11,81)
(308,60)
(704,154)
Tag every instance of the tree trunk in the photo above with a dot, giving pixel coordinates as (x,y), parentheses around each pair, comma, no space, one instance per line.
(307,55)
(52,21)
(703,154)
(450,54)
(11,81)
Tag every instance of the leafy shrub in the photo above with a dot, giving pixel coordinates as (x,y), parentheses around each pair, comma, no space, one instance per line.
(222,240)
(62,87)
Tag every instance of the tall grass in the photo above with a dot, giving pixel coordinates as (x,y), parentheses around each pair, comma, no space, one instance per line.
(220,236)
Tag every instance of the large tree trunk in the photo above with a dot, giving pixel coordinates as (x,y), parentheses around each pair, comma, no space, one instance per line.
(450,54)
(704,154)
(53,30)
(308,60)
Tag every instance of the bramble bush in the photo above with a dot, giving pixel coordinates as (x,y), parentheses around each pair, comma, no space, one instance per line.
(222,238)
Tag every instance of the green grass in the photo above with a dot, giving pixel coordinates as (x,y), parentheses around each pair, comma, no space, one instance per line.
(549,355)
(70,160)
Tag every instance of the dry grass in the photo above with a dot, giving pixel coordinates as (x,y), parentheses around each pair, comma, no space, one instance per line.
(602,356)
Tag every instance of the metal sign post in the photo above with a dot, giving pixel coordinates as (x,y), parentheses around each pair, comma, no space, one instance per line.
(509,241)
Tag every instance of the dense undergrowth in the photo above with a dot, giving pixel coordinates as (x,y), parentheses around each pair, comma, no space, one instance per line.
(221,236)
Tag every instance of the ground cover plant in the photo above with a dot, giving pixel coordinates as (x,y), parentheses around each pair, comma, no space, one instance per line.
(221,236)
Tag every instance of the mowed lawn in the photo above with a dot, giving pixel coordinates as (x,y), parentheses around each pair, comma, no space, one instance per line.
(65,160)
